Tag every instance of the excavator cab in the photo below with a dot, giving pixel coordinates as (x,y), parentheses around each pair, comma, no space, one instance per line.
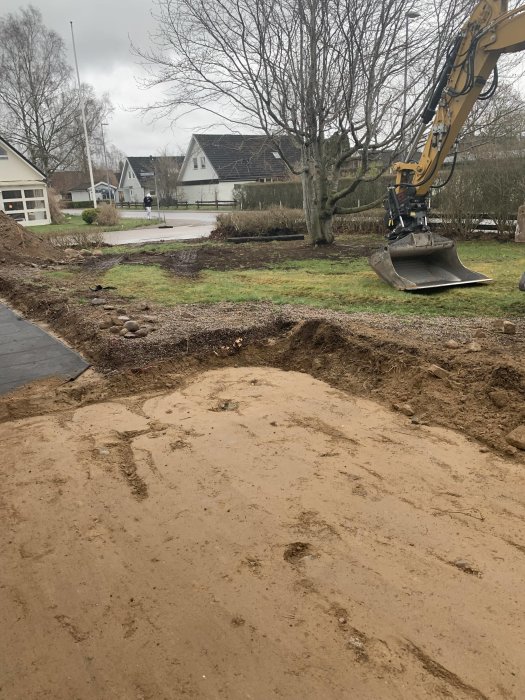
(415,258)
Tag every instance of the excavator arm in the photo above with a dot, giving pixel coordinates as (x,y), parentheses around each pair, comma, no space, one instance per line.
(416,258)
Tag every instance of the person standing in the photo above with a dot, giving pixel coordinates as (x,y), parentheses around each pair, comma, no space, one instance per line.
(148,201)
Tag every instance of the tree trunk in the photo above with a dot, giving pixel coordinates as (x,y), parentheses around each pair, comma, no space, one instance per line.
(318,218)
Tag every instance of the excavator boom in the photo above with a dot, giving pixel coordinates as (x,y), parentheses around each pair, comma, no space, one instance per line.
(414,257)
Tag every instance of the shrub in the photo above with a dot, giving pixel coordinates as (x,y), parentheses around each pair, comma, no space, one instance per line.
(89,215)
(108,215)
(268,222)
(81,238)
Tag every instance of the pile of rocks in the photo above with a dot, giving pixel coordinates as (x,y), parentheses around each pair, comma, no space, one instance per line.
(119,323)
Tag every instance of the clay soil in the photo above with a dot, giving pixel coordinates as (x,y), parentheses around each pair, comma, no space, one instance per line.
(232,507)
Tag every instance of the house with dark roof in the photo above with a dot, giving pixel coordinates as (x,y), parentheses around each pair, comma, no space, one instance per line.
(23,188)
(215,165)
(140,173)
(65,182)
(82,193)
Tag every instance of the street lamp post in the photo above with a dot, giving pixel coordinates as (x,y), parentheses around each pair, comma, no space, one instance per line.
(156,187)
(102,125)
(411,14)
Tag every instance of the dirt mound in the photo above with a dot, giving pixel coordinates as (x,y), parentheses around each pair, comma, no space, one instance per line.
(18,244)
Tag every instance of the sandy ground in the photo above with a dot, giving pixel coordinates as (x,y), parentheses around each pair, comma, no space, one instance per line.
(257,534)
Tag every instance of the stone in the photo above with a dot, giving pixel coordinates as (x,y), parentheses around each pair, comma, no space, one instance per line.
(453,344)
(122,319)
(123,331)
(115,329)
(106,324)
(484,449)
(479,333)
(122,312)
(97,252)
(499,397)
(150,319)
(473,347)
(509,328)
(70,252)
(131,326)
(108,307)
(438,372)
(521,283)
(84,251)
(129,334)
(144,306)
(98,301)
(141,333)
(116,321)
(516,437)
(405,408)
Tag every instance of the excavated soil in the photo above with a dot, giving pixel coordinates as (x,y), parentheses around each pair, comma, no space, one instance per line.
(19,244)
(257,501)
(257,534)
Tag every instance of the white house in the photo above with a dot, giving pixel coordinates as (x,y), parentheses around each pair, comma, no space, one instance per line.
(215,165)
(103,192)
(139,174)
(23,188)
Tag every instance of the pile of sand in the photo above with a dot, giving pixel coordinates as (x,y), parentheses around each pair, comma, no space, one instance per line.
(17,244)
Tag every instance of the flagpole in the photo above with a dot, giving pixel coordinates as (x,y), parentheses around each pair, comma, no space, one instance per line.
(83,112)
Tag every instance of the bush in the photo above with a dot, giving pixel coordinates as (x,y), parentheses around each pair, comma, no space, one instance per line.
(80,238)
(289,194)
(107,215)
(89,215)
(268,222)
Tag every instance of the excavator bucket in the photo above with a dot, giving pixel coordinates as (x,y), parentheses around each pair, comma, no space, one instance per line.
(422,260)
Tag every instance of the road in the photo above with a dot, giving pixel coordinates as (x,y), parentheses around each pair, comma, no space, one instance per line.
(186,225)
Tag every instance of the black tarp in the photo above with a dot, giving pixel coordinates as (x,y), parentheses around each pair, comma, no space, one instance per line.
(28,353)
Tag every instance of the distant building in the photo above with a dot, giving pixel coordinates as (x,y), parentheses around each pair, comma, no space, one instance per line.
(216,165)
(138,176)
(82,193)
(23,188)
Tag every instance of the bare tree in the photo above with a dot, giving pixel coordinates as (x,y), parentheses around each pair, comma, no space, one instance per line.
(39,103)
(167,169)
(330,73)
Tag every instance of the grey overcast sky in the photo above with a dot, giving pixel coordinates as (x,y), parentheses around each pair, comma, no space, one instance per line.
(103,29)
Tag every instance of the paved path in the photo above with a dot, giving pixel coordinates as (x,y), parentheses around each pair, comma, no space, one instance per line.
(187,225)
(27,353)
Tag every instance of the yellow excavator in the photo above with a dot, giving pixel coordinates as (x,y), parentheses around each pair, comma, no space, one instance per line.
(415,257)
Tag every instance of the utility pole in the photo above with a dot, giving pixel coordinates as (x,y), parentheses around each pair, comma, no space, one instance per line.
(83,113)
(156,187)
(102,125)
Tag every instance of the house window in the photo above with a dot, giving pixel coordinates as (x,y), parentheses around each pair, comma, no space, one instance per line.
(33,194)
(203,162)
(3,153)
(195,164)
(276,155)
(24,205)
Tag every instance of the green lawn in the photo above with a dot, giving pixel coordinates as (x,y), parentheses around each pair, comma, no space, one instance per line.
(345,286)
(74,223)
